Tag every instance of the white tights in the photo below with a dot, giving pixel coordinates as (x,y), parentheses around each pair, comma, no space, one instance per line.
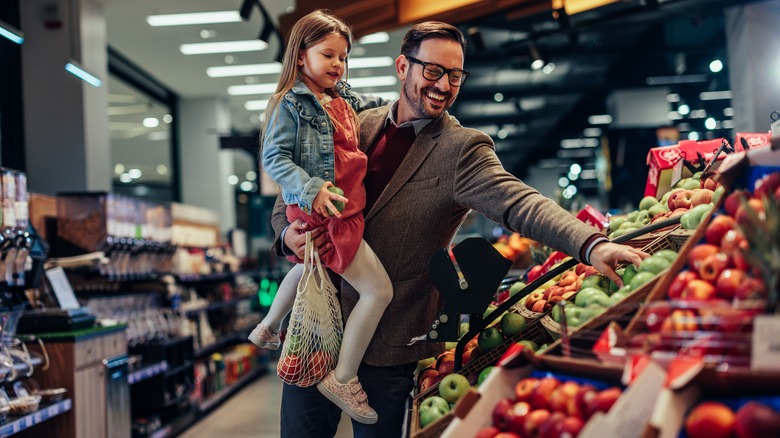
(369,278)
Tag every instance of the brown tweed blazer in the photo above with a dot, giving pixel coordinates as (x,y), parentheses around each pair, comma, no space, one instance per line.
(448,171)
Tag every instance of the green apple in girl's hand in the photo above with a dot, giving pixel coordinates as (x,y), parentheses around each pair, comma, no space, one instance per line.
(338,204)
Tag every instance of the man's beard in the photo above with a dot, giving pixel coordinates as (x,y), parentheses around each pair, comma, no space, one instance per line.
(417,103)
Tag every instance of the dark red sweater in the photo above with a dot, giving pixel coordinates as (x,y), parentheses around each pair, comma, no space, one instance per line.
(384,157)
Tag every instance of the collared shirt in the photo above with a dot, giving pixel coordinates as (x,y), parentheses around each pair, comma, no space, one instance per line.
(418,124)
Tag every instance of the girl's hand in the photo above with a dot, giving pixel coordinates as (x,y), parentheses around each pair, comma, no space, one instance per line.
(323,202)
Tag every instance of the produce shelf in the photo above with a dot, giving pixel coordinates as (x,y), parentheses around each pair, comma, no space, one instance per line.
(18,424)
(217,305)
(227,340)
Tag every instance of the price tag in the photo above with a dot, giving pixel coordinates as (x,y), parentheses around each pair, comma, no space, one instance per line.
(62,289)
(677,171)
(766,344)
(37,418)
(54,410)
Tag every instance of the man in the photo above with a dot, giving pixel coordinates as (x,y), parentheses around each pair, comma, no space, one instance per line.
(425,173)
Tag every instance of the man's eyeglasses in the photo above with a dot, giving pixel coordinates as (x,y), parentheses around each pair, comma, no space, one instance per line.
(434,72)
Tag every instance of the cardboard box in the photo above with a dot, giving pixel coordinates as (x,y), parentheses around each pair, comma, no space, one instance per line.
(662,160)
(627,418)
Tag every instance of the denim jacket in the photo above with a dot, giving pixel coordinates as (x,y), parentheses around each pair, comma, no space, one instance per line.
(298,144)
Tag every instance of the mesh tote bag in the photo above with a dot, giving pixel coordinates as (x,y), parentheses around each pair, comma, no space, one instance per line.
(311,348)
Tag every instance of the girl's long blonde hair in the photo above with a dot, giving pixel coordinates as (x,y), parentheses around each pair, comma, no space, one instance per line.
(308,31)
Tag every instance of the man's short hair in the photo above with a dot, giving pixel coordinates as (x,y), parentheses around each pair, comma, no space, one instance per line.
(429,30)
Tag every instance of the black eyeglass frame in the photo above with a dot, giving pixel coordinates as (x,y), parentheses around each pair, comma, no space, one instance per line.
(444,71)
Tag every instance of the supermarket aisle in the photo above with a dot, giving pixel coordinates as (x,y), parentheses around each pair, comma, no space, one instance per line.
(252,413)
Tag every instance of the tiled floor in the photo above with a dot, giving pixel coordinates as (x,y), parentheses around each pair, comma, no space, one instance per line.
(252,413)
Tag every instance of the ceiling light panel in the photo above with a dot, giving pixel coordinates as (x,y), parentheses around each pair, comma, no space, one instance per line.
(244,70)
(193,18)
(375,38)
(223,47)
(370,62)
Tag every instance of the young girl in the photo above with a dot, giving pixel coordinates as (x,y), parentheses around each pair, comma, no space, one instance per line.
(310,141)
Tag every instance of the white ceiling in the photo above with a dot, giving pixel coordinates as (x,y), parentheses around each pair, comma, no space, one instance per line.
(156,49)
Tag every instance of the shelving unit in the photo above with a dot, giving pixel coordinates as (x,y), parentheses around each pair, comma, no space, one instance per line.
(18,424)
(225,393)
(218,305)
(147,372)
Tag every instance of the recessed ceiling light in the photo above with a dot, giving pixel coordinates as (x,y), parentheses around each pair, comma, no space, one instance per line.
(374,38)
(716,66)
(125,178)
(223,47)
(119,169)
(591,132)
(193,18)
(135,173)
(256,105)
(244,70)
(151,122)
(162,169)
(684,109)
(728,112)
(715,95)
(602,119)
(232,180)
(498,97)
(245,90)
(710,123)
(672,97)
(370,62)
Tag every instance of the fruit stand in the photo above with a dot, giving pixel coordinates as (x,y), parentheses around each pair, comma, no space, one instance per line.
(694,326)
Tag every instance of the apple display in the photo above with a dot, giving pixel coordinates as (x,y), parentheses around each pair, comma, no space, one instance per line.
(680,199)
(700,252)
(453,387)
(753,208)
(767,185)
(551,427)
(579,406)
(430,415)
(488,432)
(710,420)
(559,400)
(701,196)
(533,420)
(512,324)
(751,289)
(489,339)
(604,400)
(711,267)
(434,401)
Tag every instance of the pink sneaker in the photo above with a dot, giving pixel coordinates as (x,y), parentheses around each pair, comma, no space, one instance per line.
(349,396)
(263,337)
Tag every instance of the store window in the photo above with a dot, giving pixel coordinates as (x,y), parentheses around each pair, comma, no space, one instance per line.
(140,132)
(143,132)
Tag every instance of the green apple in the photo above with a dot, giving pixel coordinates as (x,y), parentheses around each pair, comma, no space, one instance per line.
(696,176)
(483,375)
(640,279)
(629,274)
(463,329)
(453,386)
(512,324)
(656,209)
(616,222)
(592,311)
(647,202)
(338,204)
(488,311)
(690,184)
(449,345)
(529,344)
(424,363)
(668,254)
(591,295)
(717,194)
(654,264)
(434,401)
(573,316)
(430,415)
(516,287)
(595,281)
(294,344)
(616,297)
(489,339)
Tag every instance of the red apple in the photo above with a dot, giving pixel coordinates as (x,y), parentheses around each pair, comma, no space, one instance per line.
(532,298)
(744,212)
(571,427)
(604,400)
(698,290)
(767,185)
(533,420)
(701,196)
(718,227)
(500,412)
(733,244)
(777,195)
(540,399)
(507,435)
(551,427)
(578,407)
(559,401)
(678,284)
(515,417)
(733,201)
(699,253)
(289,367)
(525,388)
(539,306)
(729,282)
(488,432)
(680,199)
(680,320)
(712,266)
(655,316)
(750,289)
(708,183)
(755,420)
(710,420)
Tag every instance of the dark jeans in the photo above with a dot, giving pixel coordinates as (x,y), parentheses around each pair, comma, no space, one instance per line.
(307,413)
